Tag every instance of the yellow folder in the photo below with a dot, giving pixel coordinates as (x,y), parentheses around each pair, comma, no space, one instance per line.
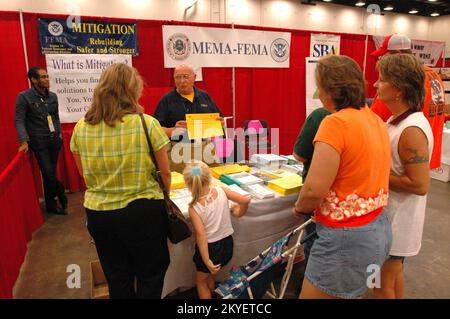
(229,169)
(177,181)
(203,125)
(286,185)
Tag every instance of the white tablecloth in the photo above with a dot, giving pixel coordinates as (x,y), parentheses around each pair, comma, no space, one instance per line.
(264,223)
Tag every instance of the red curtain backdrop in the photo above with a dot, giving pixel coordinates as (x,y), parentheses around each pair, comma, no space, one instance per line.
(14,79)
(20,216)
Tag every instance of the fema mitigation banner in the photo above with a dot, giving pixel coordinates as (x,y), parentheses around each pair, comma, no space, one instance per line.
(60,36)
(217,47)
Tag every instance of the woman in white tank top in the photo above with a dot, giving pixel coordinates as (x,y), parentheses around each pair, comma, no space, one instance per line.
(401,87)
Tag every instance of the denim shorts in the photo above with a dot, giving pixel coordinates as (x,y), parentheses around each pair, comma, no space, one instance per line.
(340,257)
(220,252)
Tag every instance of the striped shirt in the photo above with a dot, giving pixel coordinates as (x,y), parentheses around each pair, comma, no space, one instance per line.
(117,167)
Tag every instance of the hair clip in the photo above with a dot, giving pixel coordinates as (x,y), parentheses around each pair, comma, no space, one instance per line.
(196,171)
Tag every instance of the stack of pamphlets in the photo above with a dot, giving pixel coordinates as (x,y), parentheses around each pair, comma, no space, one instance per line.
(259,191)
(240,179)
(271,161)
(238,190)
(291,159)
(246,178)
(296,169)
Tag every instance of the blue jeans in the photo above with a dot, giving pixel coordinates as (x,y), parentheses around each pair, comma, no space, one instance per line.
(46,150)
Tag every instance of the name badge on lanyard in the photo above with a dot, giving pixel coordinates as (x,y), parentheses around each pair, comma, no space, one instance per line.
(50,123)
(51,126)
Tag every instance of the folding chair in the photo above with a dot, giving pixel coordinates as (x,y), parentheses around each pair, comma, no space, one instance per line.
(256,135)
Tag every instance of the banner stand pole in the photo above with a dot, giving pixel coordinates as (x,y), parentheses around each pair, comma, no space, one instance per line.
(365,55)
(24,43)
(233,89)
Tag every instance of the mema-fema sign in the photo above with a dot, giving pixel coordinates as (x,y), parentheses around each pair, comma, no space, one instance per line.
(216,47)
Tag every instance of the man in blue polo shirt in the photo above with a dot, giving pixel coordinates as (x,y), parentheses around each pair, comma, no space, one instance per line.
(183,99)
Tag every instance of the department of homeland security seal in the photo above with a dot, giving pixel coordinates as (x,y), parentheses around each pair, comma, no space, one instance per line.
(279,50)
(178,46)
(55,28)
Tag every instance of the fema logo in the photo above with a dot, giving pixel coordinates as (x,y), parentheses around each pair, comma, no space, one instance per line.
(55,28)
(178,46)
(279,50)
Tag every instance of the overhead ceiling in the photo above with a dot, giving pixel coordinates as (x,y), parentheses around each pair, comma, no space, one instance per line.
(424,7)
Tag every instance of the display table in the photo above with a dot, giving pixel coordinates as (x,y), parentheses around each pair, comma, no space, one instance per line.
(265,222)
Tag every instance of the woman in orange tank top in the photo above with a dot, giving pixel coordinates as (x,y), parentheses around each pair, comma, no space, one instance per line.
(347,186)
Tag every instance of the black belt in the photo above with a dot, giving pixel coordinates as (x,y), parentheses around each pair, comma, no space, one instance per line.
(54,134)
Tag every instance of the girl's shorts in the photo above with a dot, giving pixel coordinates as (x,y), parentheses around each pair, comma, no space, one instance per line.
(220,252)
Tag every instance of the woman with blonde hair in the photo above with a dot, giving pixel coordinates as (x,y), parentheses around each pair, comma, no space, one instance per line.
(401,87)
(123,201)
(347,187)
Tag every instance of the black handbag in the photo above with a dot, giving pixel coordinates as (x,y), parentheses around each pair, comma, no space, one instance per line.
(178,227)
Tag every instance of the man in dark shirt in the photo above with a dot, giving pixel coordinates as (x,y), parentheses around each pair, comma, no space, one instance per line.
(185,98)
(171,112)
(303,152)
(304,147)
(38,127)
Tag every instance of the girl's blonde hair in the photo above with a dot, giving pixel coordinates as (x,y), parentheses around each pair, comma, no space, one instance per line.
(116,95)
(197,177)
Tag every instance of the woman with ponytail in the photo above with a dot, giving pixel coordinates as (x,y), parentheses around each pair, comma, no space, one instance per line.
(210,215)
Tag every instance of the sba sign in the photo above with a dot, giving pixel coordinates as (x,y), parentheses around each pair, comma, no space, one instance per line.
(323,50)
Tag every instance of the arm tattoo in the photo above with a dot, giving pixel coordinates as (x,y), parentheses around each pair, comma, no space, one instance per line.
(415,158)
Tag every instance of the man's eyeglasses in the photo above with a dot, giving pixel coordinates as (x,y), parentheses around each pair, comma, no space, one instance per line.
(182,77)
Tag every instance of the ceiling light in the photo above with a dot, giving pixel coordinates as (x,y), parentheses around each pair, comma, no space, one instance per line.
(327,0)
(360,4)
(413,11)
(388,8)
(432,0)
(435,14)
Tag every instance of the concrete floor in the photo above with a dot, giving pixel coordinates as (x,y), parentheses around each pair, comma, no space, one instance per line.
(64,240)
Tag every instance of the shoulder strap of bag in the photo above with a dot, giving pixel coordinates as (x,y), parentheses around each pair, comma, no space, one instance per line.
(152,156)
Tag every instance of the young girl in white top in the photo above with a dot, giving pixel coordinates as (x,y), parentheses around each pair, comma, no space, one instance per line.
(210,215)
